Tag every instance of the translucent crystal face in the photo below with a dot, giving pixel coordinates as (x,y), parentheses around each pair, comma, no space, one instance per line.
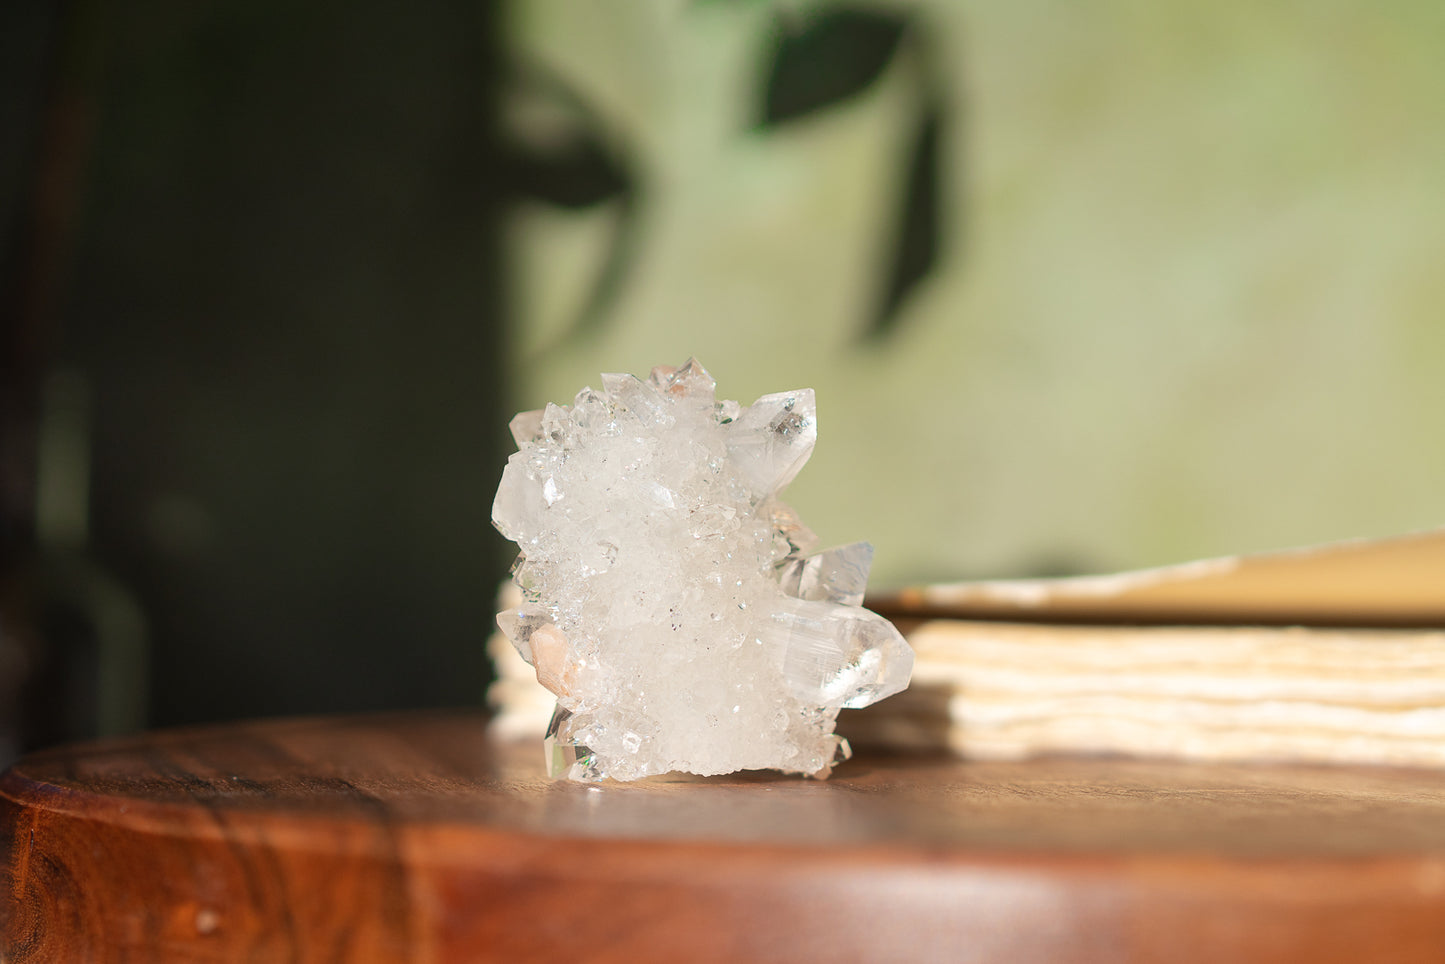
(670,600)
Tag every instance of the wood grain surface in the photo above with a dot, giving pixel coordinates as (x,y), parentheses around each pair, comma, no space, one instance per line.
(413,837)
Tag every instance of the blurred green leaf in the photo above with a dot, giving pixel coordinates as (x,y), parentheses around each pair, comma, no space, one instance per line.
(919,224)
(823,60)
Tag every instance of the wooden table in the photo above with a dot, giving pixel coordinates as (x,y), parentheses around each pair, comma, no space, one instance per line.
(413,837)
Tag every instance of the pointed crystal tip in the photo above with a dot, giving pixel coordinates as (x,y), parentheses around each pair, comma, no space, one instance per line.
(834,575)
(565,759)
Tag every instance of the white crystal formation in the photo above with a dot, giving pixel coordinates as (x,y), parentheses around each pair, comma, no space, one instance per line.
(670,598)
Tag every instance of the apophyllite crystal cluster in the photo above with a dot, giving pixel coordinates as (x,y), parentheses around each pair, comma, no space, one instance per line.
(671,600)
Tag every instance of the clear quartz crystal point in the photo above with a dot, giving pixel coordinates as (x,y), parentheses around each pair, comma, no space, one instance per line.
(567,759)
(526,427)
(519,624)
(836,575)
(672,601)
(839,656)
(771,439)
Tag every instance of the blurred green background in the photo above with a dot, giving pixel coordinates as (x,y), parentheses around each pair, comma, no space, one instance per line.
(1181,295)
(1081,286)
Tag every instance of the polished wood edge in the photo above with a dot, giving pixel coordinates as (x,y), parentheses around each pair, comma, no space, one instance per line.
(99,875)
(446,842)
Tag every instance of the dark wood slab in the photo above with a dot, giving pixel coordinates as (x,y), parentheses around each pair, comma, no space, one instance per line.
(413,837)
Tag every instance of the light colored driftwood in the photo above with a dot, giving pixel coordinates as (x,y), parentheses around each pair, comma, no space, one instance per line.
(1007,690)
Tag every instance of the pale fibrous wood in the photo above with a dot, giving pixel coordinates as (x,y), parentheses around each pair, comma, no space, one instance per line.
(1329,654)
(419,837)
(1013,690)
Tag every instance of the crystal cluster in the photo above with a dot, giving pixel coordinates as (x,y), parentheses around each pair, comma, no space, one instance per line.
(671,601)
